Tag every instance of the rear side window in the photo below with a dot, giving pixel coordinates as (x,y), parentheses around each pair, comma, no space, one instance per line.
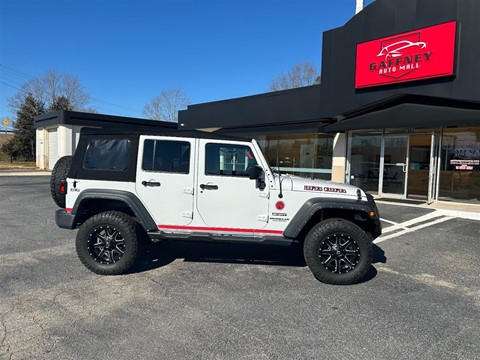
(107,154)
(228,160)
(166,156)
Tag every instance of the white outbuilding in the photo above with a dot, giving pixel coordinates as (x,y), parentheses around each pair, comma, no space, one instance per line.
(57,132)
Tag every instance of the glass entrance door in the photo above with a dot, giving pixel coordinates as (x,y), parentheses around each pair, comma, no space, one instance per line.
(421,168)
(394,166)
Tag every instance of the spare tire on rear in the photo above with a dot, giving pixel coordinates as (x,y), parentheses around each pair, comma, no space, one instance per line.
(59,174)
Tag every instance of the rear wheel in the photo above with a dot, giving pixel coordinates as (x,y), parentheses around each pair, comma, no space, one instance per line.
(338,252)
(59,174)
(107,243)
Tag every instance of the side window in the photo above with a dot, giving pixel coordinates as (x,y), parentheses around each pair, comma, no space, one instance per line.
(107,154)
(228,160)
(166,156)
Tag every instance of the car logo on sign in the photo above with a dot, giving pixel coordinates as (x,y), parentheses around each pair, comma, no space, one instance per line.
(401,55)
(395,50)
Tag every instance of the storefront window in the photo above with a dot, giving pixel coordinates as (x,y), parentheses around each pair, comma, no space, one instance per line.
(365,161)
(460,165)
(306,155)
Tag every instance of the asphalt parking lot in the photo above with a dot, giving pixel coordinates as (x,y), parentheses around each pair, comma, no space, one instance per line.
(421,299)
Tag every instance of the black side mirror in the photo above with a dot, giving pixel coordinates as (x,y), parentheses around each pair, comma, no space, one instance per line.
(255,172)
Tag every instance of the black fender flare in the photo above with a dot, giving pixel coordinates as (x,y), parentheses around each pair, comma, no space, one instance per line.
(312,206)
(131,200)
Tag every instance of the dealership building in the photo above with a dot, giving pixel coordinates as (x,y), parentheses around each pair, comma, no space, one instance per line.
(397,112)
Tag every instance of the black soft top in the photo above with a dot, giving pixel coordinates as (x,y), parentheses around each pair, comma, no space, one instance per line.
(138,130)
(77,170)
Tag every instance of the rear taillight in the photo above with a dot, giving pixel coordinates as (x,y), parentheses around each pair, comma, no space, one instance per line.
(63,187)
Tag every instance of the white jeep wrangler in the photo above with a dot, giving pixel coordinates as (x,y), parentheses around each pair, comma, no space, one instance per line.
(179,185)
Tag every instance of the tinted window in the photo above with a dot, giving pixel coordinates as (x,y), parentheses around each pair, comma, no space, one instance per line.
(229,160)
(166,156)
(107,154)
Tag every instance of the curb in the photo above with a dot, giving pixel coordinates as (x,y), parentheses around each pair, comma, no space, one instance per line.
(24,173)
(460,214)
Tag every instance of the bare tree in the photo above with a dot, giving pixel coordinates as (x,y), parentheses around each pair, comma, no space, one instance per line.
(303,74)
(165,106)
(74,92)
(51,87)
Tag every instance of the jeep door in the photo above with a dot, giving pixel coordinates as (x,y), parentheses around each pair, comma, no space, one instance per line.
(165,175)
(226,197)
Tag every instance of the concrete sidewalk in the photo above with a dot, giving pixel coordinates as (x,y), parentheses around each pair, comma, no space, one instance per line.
(466,211)
(454,209)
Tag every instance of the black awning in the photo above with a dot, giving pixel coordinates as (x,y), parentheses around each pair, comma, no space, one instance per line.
(418,114)
(269,109)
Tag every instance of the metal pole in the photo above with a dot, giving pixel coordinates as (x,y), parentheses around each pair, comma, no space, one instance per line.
(359,6)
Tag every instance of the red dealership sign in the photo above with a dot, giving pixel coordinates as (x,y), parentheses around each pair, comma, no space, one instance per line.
(421,54)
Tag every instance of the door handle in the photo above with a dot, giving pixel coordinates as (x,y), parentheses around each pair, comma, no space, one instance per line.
(150,183)
(208,187)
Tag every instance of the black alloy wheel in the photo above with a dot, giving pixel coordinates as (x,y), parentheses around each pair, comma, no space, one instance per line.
(338,252)
(107,243)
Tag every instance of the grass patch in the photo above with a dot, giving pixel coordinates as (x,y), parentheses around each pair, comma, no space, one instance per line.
(7,165)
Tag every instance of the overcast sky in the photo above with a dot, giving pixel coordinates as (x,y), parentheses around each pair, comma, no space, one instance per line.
(125,52)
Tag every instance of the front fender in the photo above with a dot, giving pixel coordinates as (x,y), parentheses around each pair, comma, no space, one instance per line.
(312,206)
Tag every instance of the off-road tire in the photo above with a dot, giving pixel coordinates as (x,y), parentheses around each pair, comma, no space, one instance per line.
(338,252)
(107,243)
(59,173)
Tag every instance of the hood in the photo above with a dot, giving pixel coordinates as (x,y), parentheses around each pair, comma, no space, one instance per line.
(296,183)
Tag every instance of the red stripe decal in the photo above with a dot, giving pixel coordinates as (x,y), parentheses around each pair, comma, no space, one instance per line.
(209,229)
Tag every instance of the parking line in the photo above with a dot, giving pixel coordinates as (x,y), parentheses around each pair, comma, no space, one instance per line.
(410,226)
(390,222)
(408,223)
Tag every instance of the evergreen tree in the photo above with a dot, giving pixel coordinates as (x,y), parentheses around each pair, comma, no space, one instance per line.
(9,149)
(24,138)
(60,103)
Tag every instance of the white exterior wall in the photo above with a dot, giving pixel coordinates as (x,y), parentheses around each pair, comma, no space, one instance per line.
(40,148)
(67,140)
(339,158)
(75,136)
(53,146)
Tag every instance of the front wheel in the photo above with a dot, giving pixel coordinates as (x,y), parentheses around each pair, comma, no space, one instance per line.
(107,243)
(338,252)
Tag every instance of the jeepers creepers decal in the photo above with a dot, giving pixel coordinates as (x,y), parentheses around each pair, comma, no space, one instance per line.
(324,189)
(421,54)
